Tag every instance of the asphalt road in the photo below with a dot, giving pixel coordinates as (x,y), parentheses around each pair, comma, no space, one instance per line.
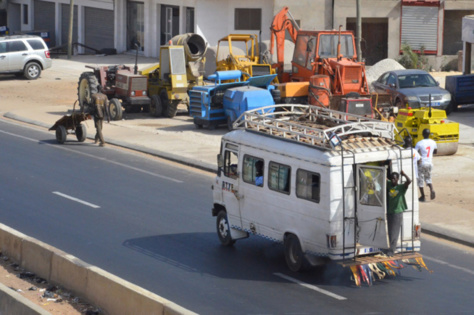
(149,221)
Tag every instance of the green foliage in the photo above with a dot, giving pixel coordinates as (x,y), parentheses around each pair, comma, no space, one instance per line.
(412,60)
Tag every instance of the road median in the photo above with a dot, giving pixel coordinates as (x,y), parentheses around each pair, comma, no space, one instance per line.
(108,292)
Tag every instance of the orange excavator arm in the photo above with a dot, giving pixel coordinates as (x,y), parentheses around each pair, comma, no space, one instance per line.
(280,24)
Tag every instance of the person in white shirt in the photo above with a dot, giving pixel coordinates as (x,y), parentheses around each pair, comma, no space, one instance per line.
(426,147)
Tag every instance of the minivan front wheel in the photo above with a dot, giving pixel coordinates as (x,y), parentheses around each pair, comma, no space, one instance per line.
(32,71)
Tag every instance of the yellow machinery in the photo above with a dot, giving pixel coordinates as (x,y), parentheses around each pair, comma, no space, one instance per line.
(249,63)
(413,121)
(181,68)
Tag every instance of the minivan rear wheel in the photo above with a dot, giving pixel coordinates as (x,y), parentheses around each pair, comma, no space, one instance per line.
(32,71)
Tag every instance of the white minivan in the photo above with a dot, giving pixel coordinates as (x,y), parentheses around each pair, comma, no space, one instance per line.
(323,194)
(24,55)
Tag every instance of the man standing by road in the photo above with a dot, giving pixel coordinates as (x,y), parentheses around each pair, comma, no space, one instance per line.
(99,110)
(426,147)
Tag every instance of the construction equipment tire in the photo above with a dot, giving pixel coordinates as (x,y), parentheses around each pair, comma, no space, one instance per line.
(172,108)
(86,86)
(156,108)
(61,134)
(115,109)
(169,108)
(230,123)
(81,132)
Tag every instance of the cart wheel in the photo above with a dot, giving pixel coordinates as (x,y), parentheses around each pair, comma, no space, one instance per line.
(61,134)
(115,109)
(81,132)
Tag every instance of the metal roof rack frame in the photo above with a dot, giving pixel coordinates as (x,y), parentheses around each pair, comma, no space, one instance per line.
(317,126)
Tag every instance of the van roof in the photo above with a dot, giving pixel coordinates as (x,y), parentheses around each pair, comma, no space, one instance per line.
(319,127)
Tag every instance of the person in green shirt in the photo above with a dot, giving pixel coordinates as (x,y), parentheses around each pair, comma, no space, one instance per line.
(396,206)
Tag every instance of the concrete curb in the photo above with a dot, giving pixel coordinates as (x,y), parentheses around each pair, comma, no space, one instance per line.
(440,232)
(106,291)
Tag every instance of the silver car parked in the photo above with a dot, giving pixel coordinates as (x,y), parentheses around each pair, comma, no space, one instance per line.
(24,54)
(412,88)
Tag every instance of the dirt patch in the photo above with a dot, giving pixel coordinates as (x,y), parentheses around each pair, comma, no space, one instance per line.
(53,299)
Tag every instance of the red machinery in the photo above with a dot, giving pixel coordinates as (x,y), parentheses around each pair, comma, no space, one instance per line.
(123,87)
(330,55)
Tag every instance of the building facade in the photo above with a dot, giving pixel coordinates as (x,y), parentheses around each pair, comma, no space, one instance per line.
(125,25)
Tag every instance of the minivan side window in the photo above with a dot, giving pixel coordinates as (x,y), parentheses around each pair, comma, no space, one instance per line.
(279,177)
(16,45)
(36,44)
(3,47)
(253,170)
(308,185)
(230,164)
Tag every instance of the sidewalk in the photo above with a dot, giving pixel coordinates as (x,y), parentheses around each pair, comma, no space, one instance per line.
(177,139)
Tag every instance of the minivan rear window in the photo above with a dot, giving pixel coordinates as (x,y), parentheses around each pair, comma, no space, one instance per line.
(36,44)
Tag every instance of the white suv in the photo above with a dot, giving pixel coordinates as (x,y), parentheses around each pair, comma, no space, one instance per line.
(24,54)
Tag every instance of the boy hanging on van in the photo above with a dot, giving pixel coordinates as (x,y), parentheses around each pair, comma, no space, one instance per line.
(395,208)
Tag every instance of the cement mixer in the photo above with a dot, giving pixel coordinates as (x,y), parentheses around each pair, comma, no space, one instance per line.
(181,68)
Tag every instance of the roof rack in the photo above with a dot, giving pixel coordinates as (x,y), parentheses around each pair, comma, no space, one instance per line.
(317,126)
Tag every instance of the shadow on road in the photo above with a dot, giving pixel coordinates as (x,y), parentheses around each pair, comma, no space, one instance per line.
(256,260)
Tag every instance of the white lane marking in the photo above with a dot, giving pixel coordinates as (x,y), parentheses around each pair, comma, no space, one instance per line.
(97,158)
(76,199)
(312,287)
(448,264)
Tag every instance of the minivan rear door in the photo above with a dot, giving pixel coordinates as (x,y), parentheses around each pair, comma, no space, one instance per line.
(371,206)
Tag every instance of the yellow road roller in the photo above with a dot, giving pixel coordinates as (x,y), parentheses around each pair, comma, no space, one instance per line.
(412,122)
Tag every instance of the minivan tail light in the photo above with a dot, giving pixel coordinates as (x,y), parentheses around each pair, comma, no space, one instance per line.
(47,54)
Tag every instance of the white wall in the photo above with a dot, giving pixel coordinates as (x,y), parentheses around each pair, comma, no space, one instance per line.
(12,12)
(215,18)
(314,15)
(373,9)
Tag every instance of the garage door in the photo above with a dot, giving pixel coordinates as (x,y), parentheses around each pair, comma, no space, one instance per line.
(99,28)
(44,20)
(65,24)
(420,28)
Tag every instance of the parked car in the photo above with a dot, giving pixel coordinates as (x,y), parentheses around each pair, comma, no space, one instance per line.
(24,54)
(413,88)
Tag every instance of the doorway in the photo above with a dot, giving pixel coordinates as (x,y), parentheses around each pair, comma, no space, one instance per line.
(135,25)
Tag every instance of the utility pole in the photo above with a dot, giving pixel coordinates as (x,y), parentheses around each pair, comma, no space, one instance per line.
(71,20)
(358,32)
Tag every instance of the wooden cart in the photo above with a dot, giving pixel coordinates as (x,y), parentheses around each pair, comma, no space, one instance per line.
(71,124)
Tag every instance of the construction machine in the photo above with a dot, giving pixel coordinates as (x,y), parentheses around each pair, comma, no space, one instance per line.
(123,86)
(250,63)
(325,71)
(411,123)
(181,68)
(225,100)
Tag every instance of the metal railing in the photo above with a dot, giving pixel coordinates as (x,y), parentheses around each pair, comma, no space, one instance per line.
(313,125)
